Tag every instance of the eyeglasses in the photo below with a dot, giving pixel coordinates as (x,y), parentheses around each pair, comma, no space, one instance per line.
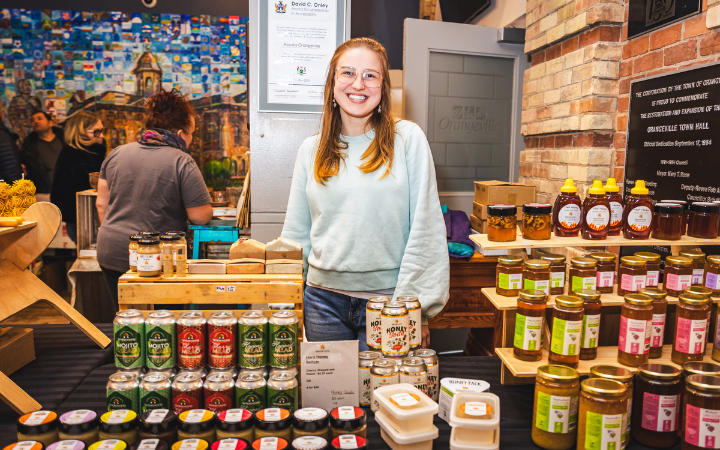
(97,133)
(348,75)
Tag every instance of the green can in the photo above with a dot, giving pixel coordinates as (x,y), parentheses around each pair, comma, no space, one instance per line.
(282,392)
(252,339)
(283,330)
(155,392)
(129,339)
(161,340)
(251,392)
(123,392)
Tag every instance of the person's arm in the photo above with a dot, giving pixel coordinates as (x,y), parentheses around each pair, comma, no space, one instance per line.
(297,218)
(200,215)
(103,197)
(195,195)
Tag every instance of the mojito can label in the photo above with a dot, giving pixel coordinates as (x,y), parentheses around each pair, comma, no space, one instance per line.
(129,348)
(191,346)
(251,399)
(373,329)
(285,399)
(253,349)
(161,347)
(122,399)
(222,346)
(283,351)
(159,399)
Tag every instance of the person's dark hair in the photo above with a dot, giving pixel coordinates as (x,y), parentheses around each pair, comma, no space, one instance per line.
(48,117)
(169,110)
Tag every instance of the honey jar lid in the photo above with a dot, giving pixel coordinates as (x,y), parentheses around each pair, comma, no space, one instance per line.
(638,300)
(632,261)
(678,260)
(310,419)
(135,237)
(149,241)
(611,185)
(158,421)
(152,234)
(701,368)
(502,210)
(196,421)
(693,299)
(589,294)
(693,254)
(678,202)
(639,188)
(602,386)
(554,372)
(569,301)
(537,264)
(704,382)
(235,420)
(699,290)
(583,262)
(273,419)
(35,445)
(37,422)
(176,233)
(654,293)
(660,371)
(532,295)
(705,207)
(668,208)
(347,418)
(597,188)
(553,257)
(714,259)
(569,186)
(118,421)
(537,208)
(309,443)
(510,260)
(603,256)
(169,237)
(611,373)
(229,444)
(78,421)
(647,256)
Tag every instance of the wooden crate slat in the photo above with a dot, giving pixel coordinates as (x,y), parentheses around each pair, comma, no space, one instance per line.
(204,293)
(133,277)
(611,241)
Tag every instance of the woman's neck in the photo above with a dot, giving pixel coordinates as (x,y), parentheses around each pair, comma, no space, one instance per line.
(354,126)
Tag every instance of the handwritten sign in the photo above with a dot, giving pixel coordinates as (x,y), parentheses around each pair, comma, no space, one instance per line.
(329,374)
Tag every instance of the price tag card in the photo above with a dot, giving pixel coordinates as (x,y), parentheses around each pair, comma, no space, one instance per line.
(329,374)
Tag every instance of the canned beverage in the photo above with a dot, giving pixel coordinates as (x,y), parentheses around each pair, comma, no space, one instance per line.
(262,371)
(161,340)
(129,337)
(289,370)
(415,320)
(250,392)
(364,364)
(383,372)
(170,372)
(139,372)
(232,372)
(201,371)
(414,371)
(221,336)
(219,391)
(283,331)
(155,392)
(252,339)
(373,325)
(123,391)
(395,322)
(282,392)
(187,392)
(192,340)
(433,371)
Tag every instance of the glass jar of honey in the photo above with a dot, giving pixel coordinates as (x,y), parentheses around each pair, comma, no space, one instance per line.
(536,275)
(667,221)
(149,263)
(612,194)
(692,320)
(699,290)
(637,217)
(678,275)
(529,324)
(703,220)
(591,323)
(632,275)
(567,325)
(508,275)
(567,212)
(557,272)
(596,213)
(132,251)
(603,403)
(605,271)
(652,264)
(701,405)
(685,214)
(537,221)
(502,223)
(712,273)
(656,403)
(624,376)
(698,265)
(657,332)
(635,322)
(583,274)
(555,409)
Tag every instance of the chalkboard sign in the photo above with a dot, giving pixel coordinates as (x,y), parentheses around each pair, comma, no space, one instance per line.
(646,15)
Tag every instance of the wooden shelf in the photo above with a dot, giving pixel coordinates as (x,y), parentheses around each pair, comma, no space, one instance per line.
(133,277)
(24,226)
(611,241)
(606,356)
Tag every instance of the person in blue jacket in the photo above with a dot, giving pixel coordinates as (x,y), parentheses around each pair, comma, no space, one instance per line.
(364,203)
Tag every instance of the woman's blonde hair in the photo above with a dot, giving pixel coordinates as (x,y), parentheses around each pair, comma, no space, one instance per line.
(76,129)
(381,150)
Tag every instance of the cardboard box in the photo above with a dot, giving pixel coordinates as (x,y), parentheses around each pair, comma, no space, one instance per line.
(206,266)
(17,348)
(480,211)
(245,267)
(481,226)
(494,192)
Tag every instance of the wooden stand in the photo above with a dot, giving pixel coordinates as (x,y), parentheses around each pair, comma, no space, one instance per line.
(19,247)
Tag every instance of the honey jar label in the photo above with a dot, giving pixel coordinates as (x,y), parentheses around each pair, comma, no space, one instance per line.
(678,282)
(590,330)
(616,212)
(712,281)
(702,427)
(653,278)
(598,218)
(148,444)
(569,216)
(268,443)
(691,336)
(639,218)
(540,285)
(634,336)
(528,332)
(697,276)
(581,283)
(557,280)
(566,336)
(658,330)
(149,262)
(603,431)
(605,279)
(556,414)
(133,258)
(659,412)
(510,280)
(632,283)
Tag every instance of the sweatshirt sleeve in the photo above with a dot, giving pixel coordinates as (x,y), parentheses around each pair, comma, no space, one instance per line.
(425,266)
(297,218)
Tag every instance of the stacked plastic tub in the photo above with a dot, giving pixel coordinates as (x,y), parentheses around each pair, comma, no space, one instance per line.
(405,416)
(475,418)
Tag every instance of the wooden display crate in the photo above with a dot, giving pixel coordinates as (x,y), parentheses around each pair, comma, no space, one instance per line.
(87,219)
(611,241)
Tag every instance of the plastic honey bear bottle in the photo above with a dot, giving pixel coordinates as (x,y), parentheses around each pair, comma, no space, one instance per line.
(595,213)
(637,217)
(567,211)
(612,193)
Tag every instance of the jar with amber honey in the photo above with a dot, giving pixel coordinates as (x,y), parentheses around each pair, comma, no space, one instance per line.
(591,323)
(536,275)
(712,273)
(701,409)
(698,265)
(632,275)
(596,213)
(692,319)
(605,271)
(149,262)
(529,324)
(555,409)
(537,221)
(624,376)
(583,274)
(703,220)
(667,221)
(508,275)
(502,223)
(656,403)
(637,216)
(685,214)
(567,215)
(678,275)
(557,272)
(617,204)
(567,324)
(635,322)
(652,264)
(657,332)
(132,251)
(603,403)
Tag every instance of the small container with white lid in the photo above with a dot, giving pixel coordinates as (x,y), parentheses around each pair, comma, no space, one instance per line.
(402,441)
(309,443)
(475,418)
(40,426)
(27,445)
(406,408)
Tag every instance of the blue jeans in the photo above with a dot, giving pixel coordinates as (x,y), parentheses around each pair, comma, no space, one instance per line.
(330,316)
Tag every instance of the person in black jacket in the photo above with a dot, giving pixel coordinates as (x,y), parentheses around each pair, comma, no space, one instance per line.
(9,155)
(40,151)
(83,153)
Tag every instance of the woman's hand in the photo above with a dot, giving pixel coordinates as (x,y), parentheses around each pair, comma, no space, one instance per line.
(425,333)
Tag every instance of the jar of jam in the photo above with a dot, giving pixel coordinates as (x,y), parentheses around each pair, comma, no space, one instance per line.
(567,213)
(132,252)
(583,274)
(685,214)
(624,376)
(273,422)
(701,405)
(555,409)
(656,403)
(698,265)
(605,266)
(537,221)
(667,221)
(348,420)
(612,193)
(632,275)
(236,423)
(502,223)
(196,424)
(120,424)
(657,332)
(652,264)
(603,404)
(635,322)
(712,273)
(595,213)
(557,272)
(159,424)
(699,290)
(692,319)
(529,324)
(678,275)
(149,263)
(536,275)
(310,422)
(703,220)
(508,275)
(591,323)
(40,426)
(637,217)
(567,325)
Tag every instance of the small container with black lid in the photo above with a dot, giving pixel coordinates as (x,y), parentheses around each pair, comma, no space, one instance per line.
(310,422)
(537,221)
(120,424)
(703,220)
(236,423)
(348,441)
(197,424)
(309,443)
(40,426)
(150,444)
(159,424)
(230,444)
(685,214)
(273,422)
(270,443)
(348,420)
(667,221)
(30,445)
(502,223)
(65,444)
(81,425)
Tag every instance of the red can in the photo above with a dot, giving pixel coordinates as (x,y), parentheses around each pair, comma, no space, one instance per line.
(219,392)
(222,327)
(187,392)
(192,339)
